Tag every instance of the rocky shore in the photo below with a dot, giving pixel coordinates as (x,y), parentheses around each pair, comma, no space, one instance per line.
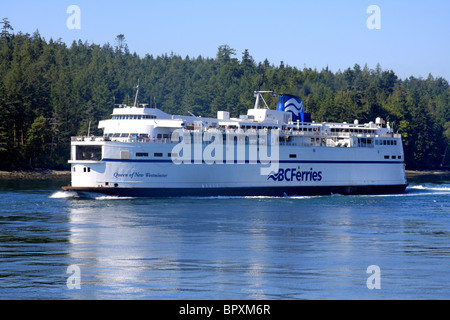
(413,173)
(35,175)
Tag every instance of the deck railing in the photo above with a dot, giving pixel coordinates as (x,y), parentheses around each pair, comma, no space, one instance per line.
(292,138)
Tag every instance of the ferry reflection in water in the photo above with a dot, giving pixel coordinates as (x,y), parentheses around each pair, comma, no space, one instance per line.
(224,249)
(161,251)
(118,253)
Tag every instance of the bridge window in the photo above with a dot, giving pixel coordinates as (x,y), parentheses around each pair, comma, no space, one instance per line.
(89,153)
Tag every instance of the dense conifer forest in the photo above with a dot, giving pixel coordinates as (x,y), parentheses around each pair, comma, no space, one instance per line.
(50,91)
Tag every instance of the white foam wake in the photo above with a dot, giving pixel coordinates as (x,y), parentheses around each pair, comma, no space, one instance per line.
(64,194)
(94,196)
(443,187)
(101,197)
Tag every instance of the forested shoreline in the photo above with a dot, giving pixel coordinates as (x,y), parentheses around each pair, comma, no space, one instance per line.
(50,91)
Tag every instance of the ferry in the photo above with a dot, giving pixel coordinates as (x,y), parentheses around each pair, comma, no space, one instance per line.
(145,152)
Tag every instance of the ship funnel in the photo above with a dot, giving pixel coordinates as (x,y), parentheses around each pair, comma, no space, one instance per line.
(294,105)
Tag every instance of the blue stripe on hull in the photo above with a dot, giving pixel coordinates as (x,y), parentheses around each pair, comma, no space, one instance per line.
(248,162)
(242,192)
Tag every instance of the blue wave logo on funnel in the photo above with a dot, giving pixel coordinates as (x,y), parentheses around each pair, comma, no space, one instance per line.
(292,104)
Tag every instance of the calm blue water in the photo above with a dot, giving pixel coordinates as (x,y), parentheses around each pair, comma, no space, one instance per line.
(224,248)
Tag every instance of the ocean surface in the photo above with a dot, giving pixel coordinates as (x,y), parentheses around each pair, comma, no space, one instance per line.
(55,245)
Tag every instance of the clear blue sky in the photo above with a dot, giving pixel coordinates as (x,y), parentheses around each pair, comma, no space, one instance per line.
(414,38)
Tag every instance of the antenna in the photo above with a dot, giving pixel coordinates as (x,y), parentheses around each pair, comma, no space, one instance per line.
(137,92)
(261,82)
(258,94)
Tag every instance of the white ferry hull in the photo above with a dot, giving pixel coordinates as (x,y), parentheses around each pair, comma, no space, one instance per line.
(316,171)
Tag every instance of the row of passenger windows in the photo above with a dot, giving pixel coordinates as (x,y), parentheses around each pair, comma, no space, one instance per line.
(392,157)
(156,154)
(126,135)
(160,154)
(137,135)
(389,142)
(134,117)
(358,131)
